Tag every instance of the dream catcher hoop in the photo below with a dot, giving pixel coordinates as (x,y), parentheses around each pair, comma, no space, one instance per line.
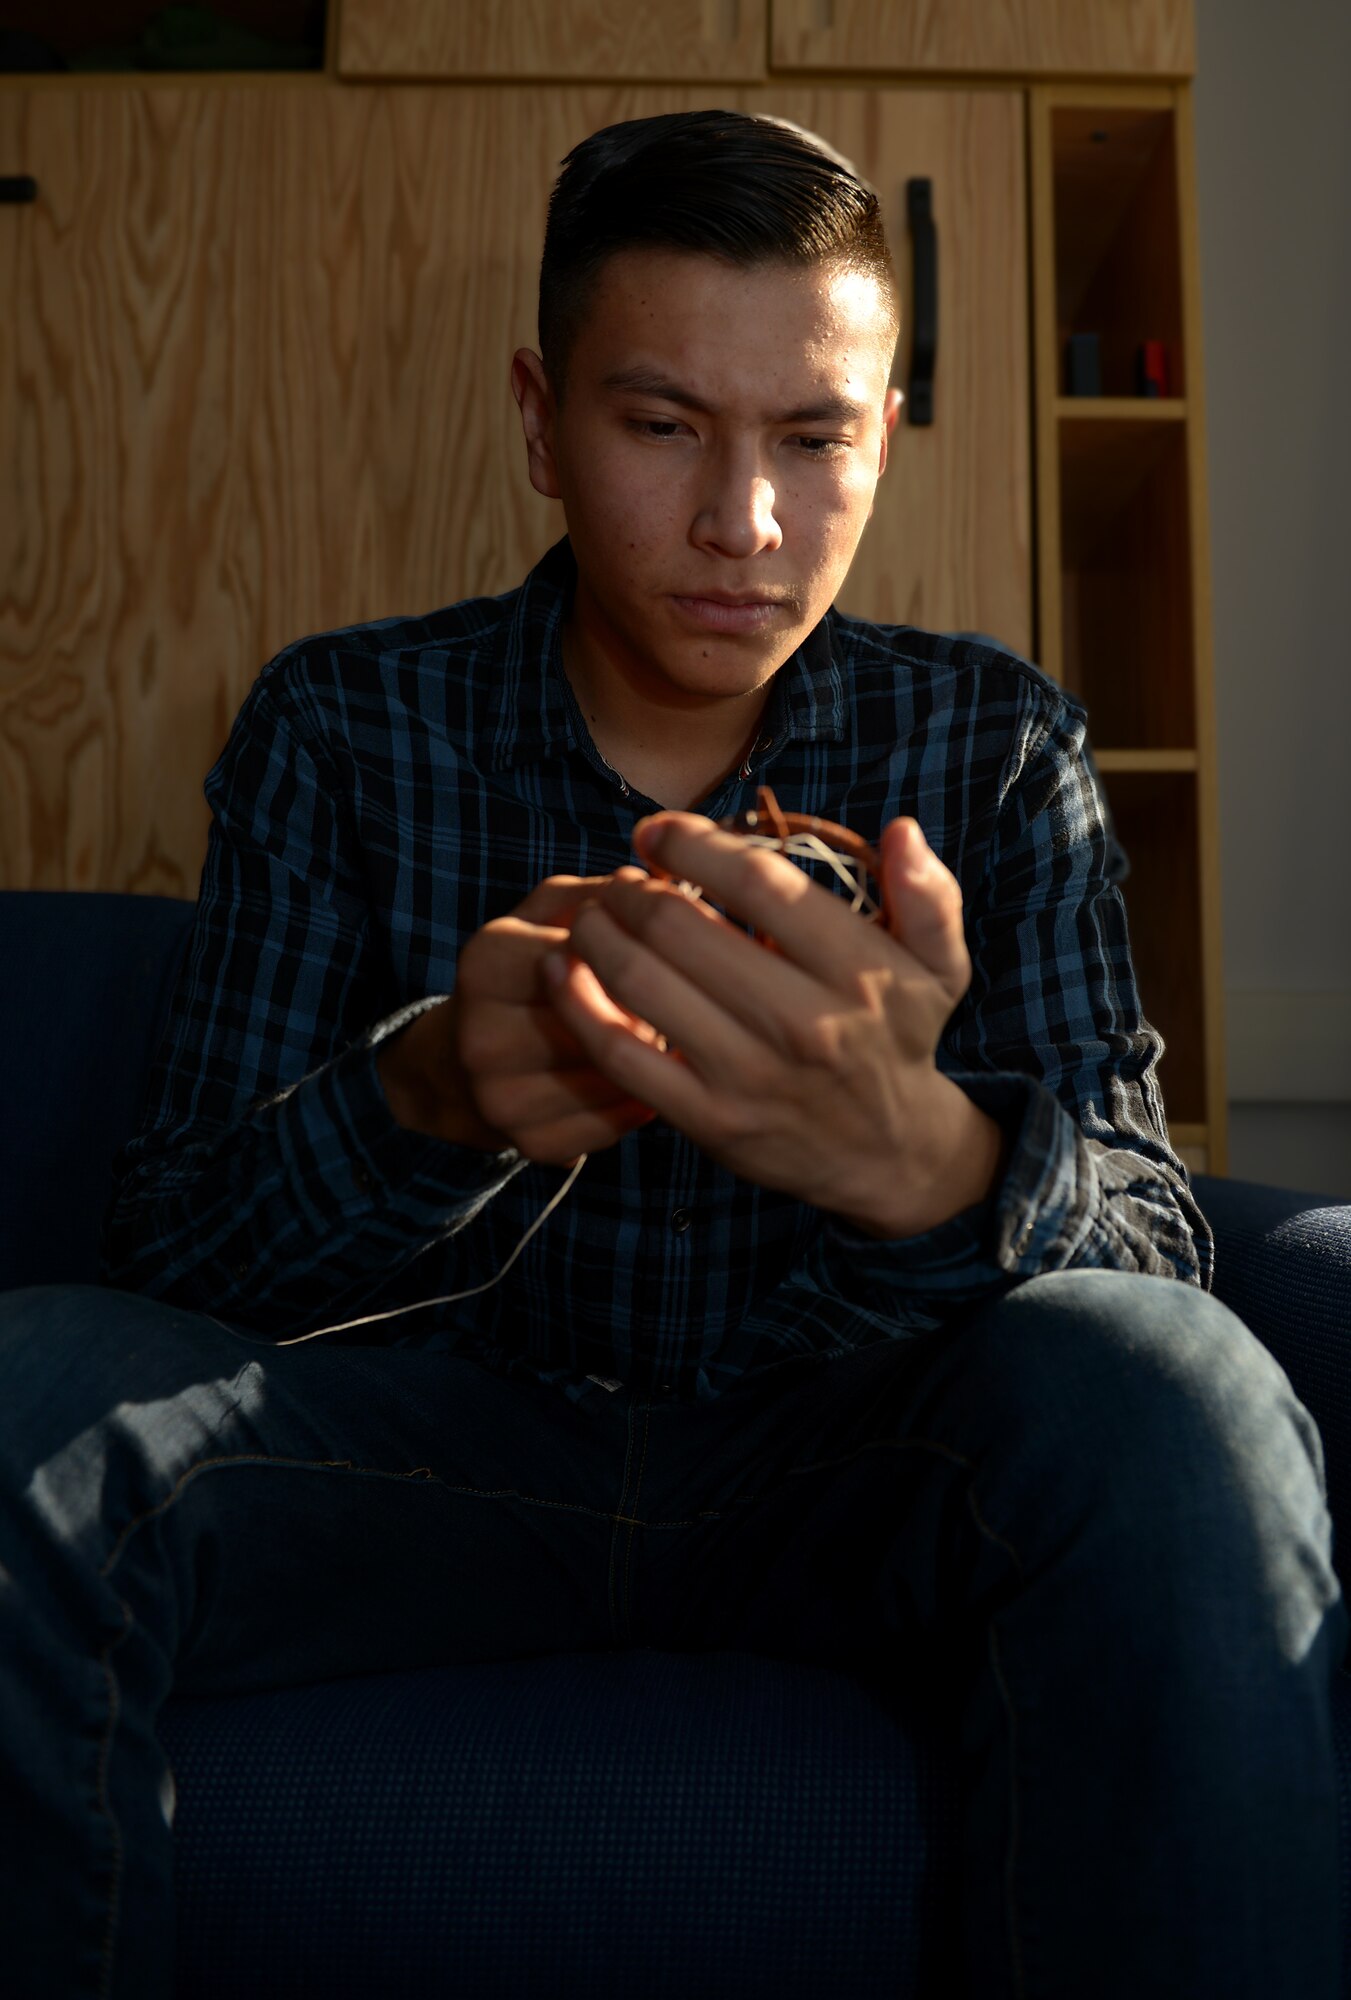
(805,837)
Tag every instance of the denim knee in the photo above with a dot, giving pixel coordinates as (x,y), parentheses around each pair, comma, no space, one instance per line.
(104,1396)
(1118,1349)
(1148,1402)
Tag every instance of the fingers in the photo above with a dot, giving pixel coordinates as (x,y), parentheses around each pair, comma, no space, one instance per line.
(502,960)
(559,1141)
(675,961)
(813,927)
(924,906)
(553,1114)
(557,899)
(531,1103)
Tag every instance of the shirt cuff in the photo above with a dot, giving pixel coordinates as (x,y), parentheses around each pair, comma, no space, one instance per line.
(1032,1221)
(346,1154)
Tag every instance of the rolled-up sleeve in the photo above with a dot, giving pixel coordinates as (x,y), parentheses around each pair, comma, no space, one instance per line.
(1050,1041)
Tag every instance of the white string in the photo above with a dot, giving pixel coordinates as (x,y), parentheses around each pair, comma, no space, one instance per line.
(810,847)
(450,1298)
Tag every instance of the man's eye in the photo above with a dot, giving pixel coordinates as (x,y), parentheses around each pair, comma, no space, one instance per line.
(815,447)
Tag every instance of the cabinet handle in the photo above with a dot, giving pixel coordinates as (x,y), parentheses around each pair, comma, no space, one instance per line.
(18,187)
(919,395)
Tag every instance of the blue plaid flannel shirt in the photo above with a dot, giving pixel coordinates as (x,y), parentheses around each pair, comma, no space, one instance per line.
(389,788)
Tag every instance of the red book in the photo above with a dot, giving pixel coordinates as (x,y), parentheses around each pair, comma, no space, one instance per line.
(1151,369)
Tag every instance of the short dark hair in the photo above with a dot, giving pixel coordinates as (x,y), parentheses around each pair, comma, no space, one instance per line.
(751,189)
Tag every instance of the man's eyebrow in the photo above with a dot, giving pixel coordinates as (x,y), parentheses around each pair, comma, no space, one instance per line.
(651,382)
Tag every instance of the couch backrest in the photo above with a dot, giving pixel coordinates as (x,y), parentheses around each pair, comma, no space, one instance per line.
(85,980)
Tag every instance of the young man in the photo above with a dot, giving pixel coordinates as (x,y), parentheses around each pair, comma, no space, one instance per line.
(873,1325)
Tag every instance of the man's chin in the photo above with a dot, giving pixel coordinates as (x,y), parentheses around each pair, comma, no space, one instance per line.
(714,671)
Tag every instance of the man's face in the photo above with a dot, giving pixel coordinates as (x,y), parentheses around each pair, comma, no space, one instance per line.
(764,490)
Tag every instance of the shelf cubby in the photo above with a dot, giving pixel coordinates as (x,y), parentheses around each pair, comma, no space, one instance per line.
(1125,579)
(1117,253)
(1123,603)
(1156,821)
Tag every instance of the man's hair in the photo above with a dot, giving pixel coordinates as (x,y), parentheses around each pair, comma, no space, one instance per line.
(752,190)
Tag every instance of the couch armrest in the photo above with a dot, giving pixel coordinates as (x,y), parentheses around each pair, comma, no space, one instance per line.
(1283,1264)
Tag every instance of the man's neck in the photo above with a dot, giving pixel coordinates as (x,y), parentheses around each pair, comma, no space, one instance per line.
(676,759)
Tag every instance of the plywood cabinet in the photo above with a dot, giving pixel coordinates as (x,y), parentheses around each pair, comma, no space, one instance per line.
(256,384)
(727,38)
(1081,38)
(949,545)
(696,40)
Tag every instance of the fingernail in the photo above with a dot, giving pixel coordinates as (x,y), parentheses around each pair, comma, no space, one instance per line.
(918,853)
(647,837)
(555,968)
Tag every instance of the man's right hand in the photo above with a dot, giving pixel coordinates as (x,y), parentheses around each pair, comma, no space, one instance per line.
(493,1066)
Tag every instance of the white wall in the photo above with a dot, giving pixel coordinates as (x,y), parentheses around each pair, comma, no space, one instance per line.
(1273,126)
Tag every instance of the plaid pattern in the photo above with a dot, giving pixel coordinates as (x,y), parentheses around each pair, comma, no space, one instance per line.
(388,789)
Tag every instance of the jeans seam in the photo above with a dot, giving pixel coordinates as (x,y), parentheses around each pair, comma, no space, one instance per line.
(633,1522)
(114,1902)
(983,1527)
(848,1458)
(617,1518)
(996,1667)
(1011,1860)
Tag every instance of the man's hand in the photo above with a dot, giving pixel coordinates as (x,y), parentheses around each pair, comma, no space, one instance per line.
(494,1065)
(809,1068)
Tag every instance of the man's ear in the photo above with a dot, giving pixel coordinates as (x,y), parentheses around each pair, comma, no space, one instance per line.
(891,413)
(535,401)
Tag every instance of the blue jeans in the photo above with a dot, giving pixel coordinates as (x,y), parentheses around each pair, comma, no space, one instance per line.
(1091,1516)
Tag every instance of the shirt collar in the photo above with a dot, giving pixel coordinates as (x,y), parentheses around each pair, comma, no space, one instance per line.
(530,713)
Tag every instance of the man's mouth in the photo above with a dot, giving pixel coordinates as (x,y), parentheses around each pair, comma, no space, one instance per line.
(733,598)
(723,614)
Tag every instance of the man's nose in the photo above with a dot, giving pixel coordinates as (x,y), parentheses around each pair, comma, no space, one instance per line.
(739,512)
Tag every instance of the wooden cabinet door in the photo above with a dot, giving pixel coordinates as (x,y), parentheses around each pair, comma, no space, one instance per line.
(698,40)
(1135,39)
(255,383)
(949,544)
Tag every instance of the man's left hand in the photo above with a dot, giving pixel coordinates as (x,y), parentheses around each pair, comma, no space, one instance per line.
(809,1068)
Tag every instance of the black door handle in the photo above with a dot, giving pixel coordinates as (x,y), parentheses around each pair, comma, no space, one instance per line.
(919,395)
(18,187)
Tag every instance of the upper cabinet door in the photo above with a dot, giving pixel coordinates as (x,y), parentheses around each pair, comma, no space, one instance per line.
(1078,38)
(703,41)
(949,545)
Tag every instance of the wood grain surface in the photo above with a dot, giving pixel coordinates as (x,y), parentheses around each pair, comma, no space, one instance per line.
(1033,38)
(254,385)
(680,39)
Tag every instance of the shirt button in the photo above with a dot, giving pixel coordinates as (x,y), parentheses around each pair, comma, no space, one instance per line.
(681,1218)
(241,1270)
(364,1178)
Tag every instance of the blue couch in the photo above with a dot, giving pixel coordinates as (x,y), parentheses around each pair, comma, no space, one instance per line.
(636,1824)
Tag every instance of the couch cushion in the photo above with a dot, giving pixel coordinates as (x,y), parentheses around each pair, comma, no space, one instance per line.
(84,983)
(1283,1264)
(601,1824)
